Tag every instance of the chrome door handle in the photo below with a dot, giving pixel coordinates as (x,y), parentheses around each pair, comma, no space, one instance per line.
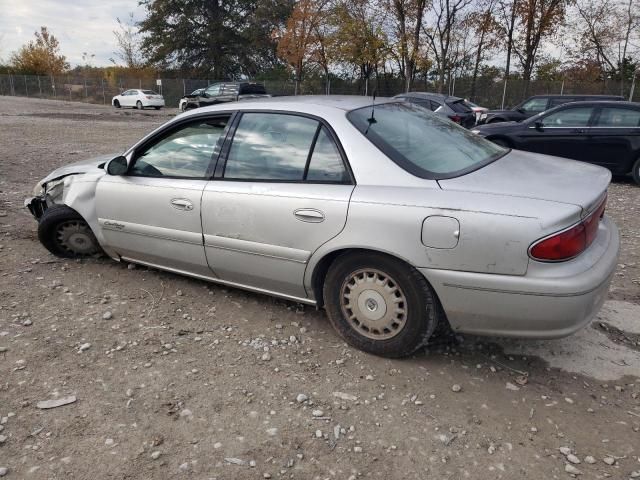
(310,215)
(181,204)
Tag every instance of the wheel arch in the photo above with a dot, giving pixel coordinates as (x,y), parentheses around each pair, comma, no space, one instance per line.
(320,267)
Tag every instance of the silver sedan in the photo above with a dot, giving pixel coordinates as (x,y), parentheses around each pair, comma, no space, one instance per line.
(392,219)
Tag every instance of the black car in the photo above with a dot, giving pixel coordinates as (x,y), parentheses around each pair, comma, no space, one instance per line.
(540,103)
(226,92)
(454,108)
(603,133)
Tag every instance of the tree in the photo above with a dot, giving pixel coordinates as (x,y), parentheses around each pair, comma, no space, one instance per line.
(301,36)
(408,17)
(361,40)
(486,29)
(538,19)
(129,43)
(223,38)
(440,34)
(40,57)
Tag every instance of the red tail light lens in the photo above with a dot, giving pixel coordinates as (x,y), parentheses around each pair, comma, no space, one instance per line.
(569,243)
(455,118)
(149,97)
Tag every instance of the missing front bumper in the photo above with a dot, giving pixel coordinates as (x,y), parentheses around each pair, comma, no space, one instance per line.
(36,205)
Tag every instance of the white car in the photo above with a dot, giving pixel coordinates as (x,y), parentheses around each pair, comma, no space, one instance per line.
(139,99)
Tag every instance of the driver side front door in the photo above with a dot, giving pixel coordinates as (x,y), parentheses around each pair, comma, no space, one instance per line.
(151,215)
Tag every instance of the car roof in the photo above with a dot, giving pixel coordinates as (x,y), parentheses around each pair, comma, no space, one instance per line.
(299,103)
(571,95)
(600,103)
(440,96)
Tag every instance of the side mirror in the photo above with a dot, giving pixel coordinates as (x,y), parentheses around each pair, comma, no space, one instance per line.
(117,166)
(539,126)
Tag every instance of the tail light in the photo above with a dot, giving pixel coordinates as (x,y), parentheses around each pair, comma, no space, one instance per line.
(149,97)
(569,243)
(455,118)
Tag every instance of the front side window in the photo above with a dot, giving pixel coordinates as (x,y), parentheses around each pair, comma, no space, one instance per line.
(281,147)
(185,153)
(571,117)
(618,117)
(535,105)
(422,143)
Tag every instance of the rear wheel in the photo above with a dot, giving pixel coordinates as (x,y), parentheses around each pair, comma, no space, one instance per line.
(64,233)
(116,103)
(636,171)
(380,305)
(139,105)
(157,108)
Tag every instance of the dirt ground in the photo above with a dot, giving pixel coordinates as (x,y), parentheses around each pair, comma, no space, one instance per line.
(178,378)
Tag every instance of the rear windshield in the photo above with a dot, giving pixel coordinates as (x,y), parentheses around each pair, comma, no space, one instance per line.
(252,89)
(423,143)
(149,92)
(459,107)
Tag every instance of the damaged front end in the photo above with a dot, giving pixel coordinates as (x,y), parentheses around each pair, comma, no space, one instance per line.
(50,190)
(45,194)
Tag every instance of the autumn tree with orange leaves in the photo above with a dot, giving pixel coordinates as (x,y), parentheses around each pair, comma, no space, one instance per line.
(40,56)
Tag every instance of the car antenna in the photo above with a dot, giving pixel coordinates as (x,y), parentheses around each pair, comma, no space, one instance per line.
(372,118)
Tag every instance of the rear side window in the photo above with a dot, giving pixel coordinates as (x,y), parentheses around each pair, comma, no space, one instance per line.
(554,102)
(421,143)
(459,106)
(281,147)
(618,117)
(326,163)
(535,105)
(252,89)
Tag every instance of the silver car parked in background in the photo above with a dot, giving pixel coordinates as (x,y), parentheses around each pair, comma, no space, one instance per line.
(393,219)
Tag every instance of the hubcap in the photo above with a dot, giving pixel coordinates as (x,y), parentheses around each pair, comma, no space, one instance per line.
(373,304)
(76,237)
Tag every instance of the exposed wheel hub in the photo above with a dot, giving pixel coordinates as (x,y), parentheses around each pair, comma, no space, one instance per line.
(76,237)
(373,304)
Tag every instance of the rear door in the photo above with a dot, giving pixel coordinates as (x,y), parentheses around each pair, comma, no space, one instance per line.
(614,138)
(282,191)
(152,213)
(562,133)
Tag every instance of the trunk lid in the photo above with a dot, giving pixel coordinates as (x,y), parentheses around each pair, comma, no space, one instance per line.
(542,177)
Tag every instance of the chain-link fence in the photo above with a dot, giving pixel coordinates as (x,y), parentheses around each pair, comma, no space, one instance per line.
(487,91)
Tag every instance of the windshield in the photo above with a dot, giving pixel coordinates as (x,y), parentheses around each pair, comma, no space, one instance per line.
(423,143)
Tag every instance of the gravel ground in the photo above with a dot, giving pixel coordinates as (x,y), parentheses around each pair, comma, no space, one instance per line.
(169,377)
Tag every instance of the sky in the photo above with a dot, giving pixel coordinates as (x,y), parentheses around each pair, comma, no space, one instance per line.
(79,25)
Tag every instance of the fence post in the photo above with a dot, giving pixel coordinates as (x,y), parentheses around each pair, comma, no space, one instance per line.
(184,88)
(86,94)
(104,99)
(39,86)
(11,90)
(26,88)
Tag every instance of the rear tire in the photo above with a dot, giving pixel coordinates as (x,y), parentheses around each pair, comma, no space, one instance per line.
(636,171)
(157,108)
(116,103)
(380,305)
(65,233)
(139,105)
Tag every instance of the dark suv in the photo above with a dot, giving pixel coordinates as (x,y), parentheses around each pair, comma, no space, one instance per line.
(541,103)
(226,92)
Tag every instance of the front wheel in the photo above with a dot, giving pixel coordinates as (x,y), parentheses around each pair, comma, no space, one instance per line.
(139,105)
(116,103)
(380,305)
(64,233)
(636,171)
